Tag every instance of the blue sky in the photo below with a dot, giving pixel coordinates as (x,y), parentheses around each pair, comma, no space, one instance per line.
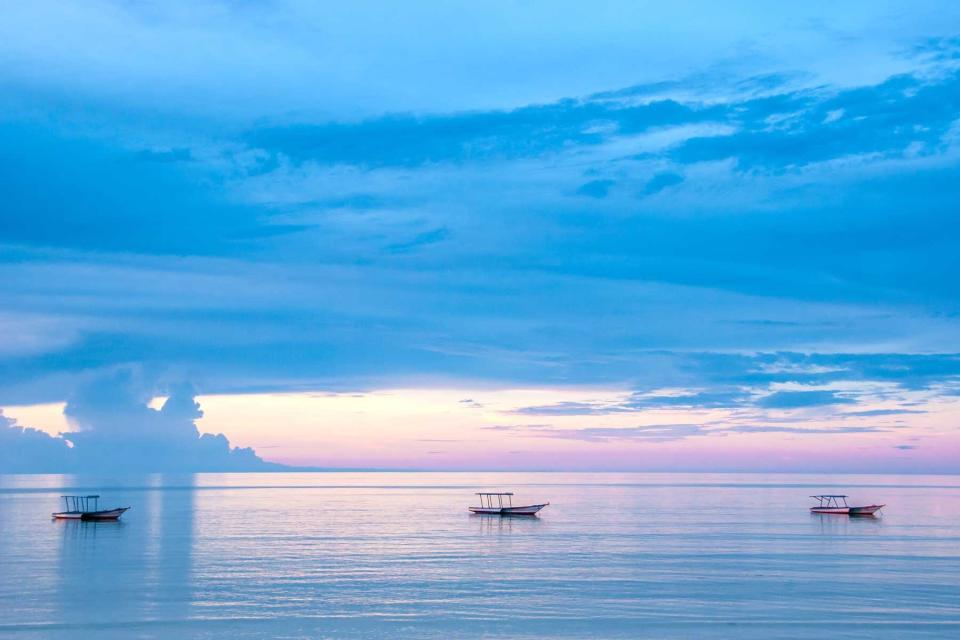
(752,207)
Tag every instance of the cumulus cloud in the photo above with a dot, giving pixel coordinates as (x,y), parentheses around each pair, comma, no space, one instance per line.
(117,430)
(26,450)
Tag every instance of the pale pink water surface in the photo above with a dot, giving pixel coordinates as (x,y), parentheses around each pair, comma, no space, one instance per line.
(365,555)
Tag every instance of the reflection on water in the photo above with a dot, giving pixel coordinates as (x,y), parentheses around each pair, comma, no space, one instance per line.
(838,524)
(136,568)
(399,555)
(83,528)
(497,524)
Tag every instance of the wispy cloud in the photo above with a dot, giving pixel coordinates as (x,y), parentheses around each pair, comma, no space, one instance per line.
(801,430)
(420,240)
(649,433)
(672,432)
(871,413)
(661,181)
(802,399)
(596,188)
(742,397)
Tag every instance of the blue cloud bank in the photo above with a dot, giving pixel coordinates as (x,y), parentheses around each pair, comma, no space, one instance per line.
(263,204)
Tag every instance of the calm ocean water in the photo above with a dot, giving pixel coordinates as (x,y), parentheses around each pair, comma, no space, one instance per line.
(366,555)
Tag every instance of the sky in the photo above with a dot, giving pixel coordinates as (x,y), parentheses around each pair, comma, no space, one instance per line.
(519,235)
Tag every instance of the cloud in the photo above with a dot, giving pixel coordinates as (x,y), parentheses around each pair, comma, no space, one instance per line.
(570,409)
(116,430)
(26,450)
(802,399)
(164,155)
(420,240)
(719,398)
(304,245)
(596,188)
(661,181)
(403,140)
(877,119)
(700,381)
(905,447)
(800,430)
(152,207)
(517,427)
(671,432)
(911,371)
(870,413)
(773,133)
(145,56)
(646,433)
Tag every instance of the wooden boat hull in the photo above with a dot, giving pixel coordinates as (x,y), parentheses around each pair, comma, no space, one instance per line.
(67,515)
(97,516)
(868,510)
(528,510)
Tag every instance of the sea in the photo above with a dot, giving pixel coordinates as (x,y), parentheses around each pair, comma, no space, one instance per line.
(397,555)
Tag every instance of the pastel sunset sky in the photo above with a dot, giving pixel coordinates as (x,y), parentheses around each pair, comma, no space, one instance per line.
(519,235)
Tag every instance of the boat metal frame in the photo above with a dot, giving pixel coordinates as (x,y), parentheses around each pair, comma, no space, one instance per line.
(830,501)
(80,504)
(500,497)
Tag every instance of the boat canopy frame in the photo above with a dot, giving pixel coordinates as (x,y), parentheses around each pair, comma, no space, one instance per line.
(489,496)
(832,501)
(81,504)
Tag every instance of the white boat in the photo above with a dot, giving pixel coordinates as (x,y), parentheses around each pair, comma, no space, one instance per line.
(78,508)
(500,509)
(837,504)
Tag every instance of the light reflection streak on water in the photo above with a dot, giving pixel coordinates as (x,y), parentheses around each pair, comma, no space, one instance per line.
(363,555)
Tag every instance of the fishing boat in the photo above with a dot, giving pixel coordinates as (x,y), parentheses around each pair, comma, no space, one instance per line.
(838,504)
(487,506)
(78,508)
